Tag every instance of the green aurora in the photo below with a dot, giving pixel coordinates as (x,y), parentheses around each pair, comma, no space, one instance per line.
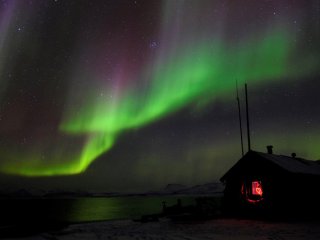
(198,72)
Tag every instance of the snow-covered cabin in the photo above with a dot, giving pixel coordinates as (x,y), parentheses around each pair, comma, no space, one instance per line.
(268,183)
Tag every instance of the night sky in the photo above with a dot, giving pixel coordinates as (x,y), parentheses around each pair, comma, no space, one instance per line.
(124,95)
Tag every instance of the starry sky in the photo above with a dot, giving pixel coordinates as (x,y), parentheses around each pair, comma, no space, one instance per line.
(124,95)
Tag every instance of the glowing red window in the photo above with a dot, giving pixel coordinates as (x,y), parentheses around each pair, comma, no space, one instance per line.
(257,188)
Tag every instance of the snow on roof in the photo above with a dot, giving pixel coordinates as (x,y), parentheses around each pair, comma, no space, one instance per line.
(293,164)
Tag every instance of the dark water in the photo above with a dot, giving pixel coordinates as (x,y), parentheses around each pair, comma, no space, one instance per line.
(82,209)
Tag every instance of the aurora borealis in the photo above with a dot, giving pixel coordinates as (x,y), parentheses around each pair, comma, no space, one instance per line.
(98,91)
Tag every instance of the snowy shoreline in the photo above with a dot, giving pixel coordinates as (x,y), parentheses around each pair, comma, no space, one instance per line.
(167,229)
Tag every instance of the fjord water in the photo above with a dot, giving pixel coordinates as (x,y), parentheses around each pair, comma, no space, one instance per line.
(74,210)
(95,209)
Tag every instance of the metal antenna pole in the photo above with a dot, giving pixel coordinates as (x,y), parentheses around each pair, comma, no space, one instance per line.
(248,124)
(240,122)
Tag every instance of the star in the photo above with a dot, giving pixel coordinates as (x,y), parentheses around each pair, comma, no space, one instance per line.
(153,44)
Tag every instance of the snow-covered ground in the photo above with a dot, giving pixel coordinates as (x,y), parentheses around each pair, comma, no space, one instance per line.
(166,229)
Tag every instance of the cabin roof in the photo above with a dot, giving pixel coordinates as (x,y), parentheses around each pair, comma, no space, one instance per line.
(293,164)
(290,164)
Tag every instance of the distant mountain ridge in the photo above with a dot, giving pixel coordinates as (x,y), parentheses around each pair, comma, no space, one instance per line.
(201,189)
(172,187)
(213,188)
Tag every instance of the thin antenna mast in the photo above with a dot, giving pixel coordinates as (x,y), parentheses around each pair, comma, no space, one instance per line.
(248,125)
(240,123)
